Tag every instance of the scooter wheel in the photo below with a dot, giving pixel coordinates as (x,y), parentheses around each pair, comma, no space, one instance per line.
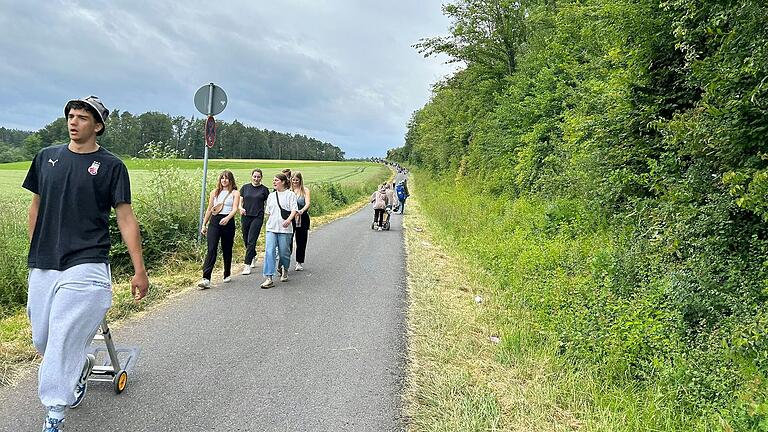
(120,381)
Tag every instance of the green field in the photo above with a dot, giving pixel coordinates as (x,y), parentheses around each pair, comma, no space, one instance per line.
(141,170)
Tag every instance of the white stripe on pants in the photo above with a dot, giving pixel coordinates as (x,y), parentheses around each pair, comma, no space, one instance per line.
(65,309)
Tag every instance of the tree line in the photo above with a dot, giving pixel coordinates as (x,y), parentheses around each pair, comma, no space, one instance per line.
(177,136)
(651,115)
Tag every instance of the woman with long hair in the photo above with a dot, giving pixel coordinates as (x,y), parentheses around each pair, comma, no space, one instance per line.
(281,207)
(219,225)
(253,197)
(301,224)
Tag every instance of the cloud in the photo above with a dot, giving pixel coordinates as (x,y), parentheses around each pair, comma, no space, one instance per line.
(340,71)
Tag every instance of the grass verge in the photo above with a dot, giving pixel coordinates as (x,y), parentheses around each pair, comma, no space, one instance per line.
(477,363)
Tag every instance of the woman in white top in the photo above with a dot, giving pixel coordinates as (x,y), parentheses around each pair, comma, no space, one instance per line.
(219,224)
(279,229)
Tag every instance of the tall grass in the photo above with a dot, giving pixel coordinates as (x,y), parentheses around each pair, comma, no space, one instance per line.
(14,246)
(552,265)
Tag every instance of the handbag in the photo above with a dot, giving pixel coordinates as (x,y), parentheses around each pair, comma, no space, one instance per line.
(220,206)
(285,214)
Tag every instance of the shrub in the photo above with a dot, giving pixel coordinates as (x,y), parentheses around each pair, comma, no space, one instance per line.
(14,244)
(168,216)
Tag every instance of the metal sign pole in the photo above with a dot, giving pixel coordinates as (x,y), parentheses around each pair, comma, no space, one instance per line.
(203,206)
(209,100)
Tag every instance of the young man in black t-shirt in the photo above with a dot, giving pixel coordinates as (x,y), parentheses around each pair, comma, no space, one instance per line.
(75,187)
(253,197)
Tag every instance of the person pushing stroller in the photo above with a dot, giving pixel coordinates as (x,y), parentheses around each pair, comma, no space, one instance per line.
(380,202)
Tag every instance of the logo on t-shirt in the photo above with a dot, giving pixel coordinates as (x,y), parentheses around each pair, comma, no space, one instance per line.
(94,168)
(52,162)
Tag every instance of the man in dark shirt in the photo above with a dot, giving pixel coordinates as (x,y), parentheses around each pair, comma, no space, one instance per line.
(75,186)
(253,196)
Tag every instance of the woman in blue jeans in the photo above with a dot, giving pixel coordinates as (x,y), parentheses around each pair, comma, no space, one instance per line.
(279,229)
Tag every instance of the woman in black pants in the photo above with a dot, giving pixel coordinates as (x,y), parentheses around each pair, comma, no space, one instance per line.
(219,224)
(253,196)
(301,224)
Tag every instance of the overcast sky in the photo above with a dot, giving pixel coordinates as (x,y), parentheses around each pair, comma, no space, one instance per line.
(342,71)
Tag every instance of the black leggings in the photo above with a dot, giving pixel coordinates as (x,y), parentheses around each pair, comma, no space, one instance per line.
(251,230)
(378,216)
(301,234)
(226,234)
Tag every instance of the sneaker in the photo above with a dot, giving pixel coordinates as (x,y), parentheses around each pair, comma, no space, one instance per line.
(204,284)
(299,267)
(52,425)
(380,229)
(246,270)
(82,384)
(253,263)
(267,283)
(284,275)
(228,279)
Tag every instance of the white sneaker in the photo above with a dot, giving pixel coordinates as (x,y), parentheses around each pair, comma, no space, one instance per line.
(82,384)
(253,263)
(53,424)
(380,229)
(246,270)
(228,279)
(267,283)
(284,275)
(299,267)
(204,284)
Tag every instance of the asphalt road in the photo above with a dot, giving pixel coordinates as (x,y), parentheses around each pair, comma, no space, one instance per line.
(322,352)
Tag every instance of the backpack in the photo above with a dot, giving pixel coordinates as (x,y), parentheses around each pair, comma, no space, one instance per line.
(400,189)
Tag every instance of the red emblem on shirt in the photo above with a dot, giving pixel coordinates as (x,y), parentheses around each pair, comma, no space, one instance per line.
(94,168)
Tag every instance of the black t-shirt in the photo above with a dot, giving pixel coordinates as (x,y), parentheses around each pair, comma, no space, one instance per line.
(77,193)
(254,198)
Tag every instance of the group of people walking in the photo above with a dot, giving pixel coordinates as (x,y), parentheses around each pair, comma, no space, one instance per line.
(389,197)
(287,211)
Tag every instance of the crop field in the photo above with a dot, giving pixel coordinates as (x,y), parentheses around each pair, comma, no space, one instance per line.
(142,170)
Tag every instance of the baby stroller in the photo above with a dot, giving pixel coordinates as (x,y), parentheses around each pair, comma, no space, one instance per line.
(387,214)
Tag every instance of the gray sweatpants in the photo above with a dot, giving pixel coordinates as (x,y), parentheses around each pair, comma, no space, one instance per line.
(65,309)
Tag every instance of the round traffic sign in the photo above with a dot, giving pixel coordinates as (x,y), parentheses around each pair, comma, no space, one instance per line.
(210,99)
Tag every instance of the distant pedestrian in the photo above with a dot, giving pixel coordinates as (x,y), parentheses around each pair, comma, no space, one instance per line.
(281,207)
(219,226)
(75,187)
(402,194)
(253,197)
(302,221)
(379,201)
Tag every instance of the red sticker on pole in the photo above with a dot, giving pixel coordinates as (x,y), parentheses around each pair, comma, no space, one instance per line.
(210,132)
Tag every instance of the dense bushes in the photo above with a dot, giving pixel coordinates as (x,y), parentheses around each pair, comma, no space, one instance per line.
(167,210)
(638,129)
